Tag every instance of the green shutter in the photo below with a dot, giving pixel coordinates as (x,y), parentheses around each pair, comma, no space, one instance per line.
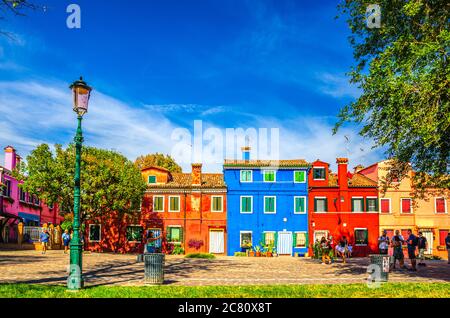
(181,235)
(294,240)
(326,204)
(264,238)
(276,239)
(307,239)
(168,234)
(376,204)
(315,205)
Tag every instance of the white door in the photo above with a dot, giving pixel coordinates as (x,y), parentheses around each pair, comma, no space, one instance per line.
(216,242)
(284,246)
(429,236)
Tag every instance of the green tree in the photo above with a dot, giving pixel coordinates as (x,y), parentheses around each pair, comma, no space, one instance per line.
(402,69)
(111,185)
(158,159)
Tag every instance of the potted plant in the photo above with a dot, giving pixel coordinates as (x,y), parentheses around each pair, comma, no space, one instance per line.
(270,248)
(251,253)
(258,251)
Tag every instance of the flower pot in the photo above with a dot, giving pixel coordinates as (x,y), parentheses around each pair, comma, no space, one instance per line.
(251,254)
(258,254)
(269,254)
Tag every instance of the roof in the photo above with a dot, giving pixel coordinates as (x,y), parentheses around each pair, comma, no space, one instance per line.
(294,163)
(155,167)
(356,180)
(184,180)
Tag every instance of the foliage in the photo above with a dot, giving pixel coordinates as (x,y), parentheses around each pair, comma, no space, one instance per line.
(240,254)
(201,255)
(67,224)
(16,8)
(157,159)
(388,290)
(110,183)
(403,70)
(177,250)
(194,243)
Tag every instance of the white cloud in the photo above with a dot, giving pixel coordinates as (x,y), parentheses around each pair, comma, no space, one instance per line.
(337,85)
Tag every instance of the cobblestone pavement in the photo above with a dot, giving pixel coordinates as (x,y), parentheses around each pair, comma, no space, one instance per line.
(115,269)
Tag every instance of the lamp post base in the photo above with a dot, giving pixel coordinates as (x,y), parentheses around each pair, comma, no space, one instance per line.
(75,280)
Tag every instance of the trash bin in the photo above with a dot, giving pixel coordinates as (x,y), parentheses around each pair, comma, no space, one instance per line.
(154,268)
(383,262)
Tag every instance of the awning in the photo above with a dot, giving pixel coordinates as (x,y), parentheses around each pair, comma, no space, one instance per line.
(8,215)
(29,217)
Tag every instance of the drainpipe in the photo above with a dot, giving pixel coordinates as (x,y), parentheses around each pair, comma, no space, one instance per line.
(185,222)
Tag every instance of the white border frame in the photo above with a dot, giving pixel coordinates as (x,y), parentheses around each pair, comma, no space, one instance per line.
(376,202)
(178,227)
(304,172)
(240,237)
(351,204)
(274,232)
(435,206)
(306,239)
(362,228)
(153,203)
(134,225)
(240,204)
(305,205)
(264,171)
(315,231)
(390,206)
(274,204)
(411,206)
(179,203)
(321,179)
(152,175)
(221,204)
(100,233)
(326,202)
(240,176)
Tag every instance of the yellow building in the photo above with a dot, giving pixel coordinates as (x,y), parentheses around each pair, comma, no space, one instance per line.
(399,211)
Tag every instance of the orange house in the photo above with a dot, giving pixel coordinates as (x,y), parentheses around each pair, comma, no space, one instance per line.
(188,210)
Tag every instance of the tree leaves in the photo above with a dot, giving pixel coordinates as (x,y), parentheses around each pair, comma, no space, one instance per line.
(158,159)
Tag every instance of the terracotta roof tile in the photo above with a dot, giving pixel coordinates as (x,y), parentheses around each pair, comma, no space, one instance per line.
(184,180)
(359,180)
(266,163)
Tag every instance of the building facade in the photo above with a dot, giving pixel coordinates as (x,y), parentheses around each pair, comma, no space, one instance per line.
(400,211)
(343,204)
(17,205)
(267,204)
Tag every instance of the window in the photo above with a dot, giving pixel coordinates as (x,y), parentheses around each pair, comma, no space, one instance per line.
(174,204)
(319,173)
(320,205)
(442,236)
(357,205)
(134,233)
(372,204)
(440,205)
(406,205)
(216,204)
(299,176)
(270,205)
(174,235)
(246,239)
(300,239)
(269,176)
(394,175)
(299,205)
(246,175)
(361,237)
(7,189)
(319,234)
(94,232)
(269,238)
(30,198)
(246,204)
(158,203)
(22,195)
(151,179)
(385,205)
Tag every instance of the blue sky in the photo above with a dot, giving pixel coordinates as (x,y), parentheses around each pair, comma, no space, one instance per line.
(159,65)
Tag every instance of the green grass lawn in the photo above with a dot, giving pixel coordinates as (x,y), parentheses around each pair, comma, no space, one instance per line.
(441,290)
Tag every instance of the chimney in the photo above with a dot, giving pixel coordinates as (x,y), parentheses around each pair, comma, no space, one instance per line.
(342,173)
(358,168)
(10,158)
(246,153)
(196,174)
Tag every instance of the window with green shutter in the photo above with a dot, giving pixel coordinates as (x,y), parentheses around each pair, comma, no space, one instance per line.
(357,205)
(320,205)
(158,204)
(299,205)
(372,204)
(174,204)
(319,173)
(269,175)
(300,239)
(361,237)
(151,179)
(246,176)
(269,204)
(174,235)
(269,238)
(299,176)
(134,233)
(216,202)
(246,204)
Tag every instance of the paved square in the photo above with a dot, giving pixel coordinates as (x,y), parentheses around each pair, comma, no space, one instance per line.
(116,269)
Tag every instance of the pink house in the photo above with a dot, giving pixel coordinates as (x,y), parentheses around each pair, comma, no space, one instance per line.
(18,206)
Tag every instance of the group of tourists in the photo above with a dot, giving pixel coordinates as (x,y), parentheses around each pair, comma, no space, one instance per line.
(44,238)
(416,247)
(327,249)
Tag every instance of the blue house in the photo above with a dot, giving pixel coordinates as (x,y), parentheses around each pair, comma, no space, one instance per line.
(267,202)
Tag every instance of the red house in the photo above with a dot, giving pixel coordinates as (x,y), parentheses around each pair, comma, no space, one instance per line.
(343,204)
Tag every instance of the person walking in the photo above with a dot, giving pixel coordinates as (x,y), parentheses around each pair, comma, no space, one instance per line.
(66,240)
(398,251)
(412,244)
(44,237)
(447,243)
(325,250)
(383,243)
(342,249)
(422,245)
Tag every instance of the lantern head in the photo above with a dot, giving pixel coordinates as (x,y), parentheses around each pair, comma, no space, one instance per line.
(81,93)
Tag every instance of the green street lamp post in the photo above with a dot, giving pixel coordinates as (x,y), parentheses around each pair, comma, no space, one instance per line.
(81,93)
